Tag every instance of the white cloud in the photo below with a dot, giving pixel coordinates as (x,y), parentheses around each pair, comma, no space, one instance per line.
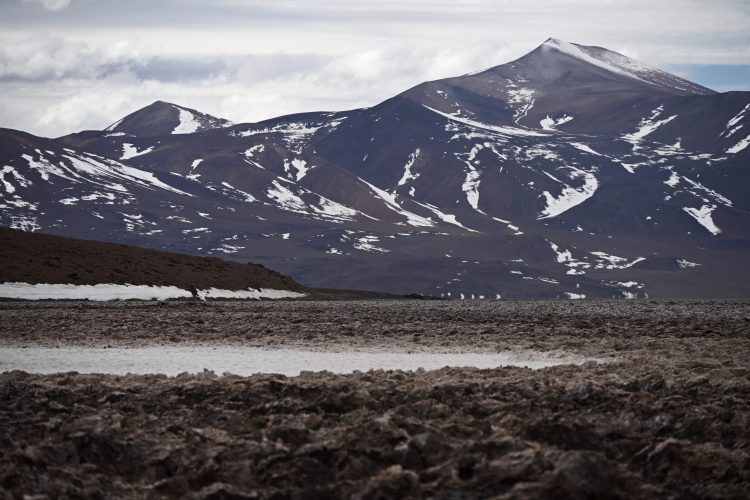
(47,57)
(80,110)
(250,60)
(50,4)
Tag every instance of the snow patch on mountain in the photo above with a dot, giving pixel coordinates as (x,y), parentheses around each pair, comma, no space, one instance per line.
(671,149)
(336,211)
(565,257)
(20,179)
(630,167)
(45,168)
(508,131)
(408,175)
(627,284)
(551,123)
(21,214)
(520,99)
(250,152)
(648,125)
(391,202)
(569,197)
(243,195)
(585,148)
(286,198)
(719,198)
(730,128)
(146,179)
(686,264)
(113,126)
(740,145)
(703,216)
(367,244)
(249,155)
(516,230)
(90,168)
(608,261)
(131,151)
(193,166)
(447,218)
(472,181)
(473,178)
(294,134)
(300,167)
(324,208)
(188,123)
(673,181)
(296,130)
(228,249)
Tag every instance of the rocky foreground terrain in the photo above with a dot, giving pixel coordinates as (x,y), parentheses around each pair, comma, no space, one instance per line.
(666,416)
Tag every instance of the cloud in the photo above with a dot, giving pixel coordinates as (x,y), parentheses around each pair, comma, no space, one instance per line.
(46,57)
(82,109)
(248,60)
(50,4)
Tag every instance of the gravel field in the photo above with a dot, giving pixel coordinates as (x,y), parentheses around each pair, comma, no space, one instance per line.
(667,414)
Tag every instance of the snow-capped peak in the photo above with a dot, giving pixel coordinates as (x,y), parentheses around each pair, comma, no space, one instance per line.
(619,64)
(165,118)
(611,61)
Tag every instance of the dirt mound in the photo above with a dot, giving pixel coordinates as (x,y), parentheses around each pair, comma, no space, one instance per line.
(40,258)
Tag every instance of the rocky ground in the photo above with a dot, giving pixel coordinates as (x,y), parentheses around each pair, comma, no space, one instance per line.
(667,416)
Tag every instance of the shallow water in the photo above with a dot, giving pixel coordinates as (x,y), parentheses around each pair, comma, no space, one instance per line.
(249,360)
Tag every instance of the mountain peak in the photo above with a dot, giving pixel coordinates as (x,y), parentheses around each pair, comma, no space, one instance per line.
(166,118)
(558,82)
(621,65)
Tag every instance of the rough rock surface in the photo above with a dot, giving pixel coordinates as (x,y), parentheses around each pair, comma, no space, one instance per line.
(667,419)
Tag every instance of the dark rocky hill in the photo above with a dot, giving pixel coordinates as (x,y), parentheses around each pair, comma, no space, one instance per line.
(41,258)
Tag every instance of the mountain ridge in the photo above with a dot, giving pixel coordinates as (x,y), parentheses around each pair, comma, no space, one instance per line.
(493,184)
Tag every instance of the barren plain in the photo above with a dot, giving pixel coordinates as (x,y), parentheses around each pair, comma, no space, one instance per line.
(663,413)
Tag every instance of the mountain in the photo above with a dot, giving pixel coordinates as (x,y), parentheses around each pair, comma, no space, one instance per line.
(164,118)
(572,171)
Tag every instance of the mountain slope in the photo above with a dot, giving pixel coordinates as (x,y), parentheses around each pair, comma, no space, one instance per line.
(41,258)
(572,171)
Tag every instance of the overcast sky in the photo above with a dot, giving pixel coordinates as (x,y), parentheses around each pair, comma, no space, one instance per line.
(68,65)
